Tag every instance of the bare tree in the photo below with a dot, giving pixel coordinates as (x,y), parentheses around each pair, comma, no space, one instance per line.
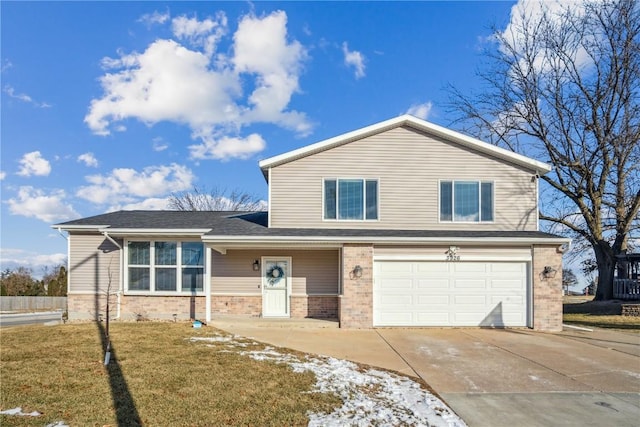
(215,200)
(563,86)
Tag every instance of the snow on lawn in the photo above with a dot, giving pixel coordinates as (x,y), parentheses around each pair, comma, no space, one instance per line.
(18,411)
(370,396)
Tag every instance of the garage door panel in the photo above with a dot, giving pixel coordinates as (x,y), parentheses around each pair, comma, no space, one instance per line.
(469,267)
(428,293)
(469,283)
(392,285)
(398,300)
(433,300)
(431,268)
(470,300)
(434,284)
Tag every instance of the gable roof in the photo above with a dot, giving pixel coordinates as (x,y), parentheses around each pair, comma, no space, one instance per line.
(406,120)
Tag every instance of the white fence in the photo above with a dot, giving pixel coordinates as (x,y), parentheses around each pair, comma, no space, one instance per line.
(626,289)
(32,303)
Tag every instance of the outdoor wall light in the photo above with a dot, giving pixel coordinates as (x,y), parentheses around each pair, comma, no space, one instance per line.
(549,272)
(357,272)
(256,265)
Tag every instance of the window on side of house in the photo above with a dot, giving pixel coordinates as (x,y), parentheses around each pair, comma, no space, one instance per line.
(165,266)
(466,201)
(351,199)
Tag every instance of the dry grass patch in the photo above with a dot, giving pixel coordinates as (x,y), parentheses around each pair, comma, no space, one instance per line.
(600,314)
(157,377)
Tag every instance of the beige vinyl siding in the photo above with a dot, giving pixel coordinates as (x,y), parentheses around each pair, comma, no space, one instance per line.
(409,166)
(93,260)
(314,272)
(465,252)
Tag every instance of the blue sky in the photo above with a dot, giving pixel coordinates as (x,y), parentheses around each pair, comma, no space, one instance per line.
(114,105)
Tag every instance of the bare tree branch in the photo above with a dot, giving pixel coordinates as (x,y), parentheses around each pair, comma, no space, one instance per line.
(564,87)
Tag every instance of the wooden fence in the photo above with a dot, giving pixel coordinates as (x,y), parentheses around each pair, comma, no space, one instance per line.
(32,303)
(626,289)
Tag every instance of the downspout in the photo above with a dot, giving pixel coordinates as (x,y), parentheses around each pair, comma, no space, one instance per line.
(120,279)
(207,284)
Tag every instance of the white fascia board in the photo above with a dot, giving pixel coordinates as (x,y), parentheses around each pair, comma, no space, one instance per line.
(156,231)
(385,240)
(540,167)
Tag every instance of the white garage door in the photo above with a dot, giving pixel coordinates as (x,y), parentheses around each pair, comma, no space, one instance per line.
(428,293)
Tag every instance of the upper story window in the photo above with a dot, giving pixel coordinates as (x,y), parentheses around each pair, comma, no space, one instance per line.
(466,201)
(351,199)
(165,266)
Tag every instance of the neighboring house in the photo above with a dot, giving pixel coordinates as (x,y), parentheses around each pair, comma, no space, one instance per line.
(402,223)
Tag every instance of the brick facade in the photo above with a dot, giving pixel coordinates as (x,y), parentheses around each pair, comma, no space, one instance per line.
(83,307)
(250,305)
(356,302)
(314,306)
(547,289)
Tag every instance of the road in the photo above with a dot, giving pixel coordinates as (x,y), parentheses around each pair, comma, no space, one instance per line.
(19,319)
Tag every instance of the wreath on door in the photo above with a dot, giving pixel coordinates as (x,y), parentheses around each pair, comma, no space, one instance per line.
(274,274)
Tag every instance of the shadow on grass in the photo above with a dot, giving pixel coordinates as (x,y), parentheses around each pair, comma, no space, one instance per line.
(126,411)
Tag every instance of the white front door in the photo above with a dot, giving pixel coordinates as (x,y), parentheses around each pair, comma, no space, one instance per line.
(275,287)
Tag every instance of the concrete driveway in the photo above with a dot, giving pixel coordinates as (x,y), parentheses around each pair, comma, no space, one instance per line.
(511,377)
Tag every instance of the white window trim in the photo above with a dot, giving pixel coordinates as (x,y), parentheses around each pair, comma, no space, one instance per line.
(479,181)
(152,267)
(364,199)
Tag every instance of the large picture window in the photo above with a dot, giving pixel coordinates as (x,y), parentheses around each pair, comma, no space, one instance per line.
(165,266)
(466,201)
(351,199)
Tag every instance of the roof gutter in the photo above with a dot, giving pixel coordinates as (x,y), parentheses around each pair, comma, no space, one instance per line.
(388,240)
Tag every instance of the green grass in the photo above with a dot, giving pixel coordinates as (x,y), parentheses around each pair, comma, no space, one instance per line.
(158,378)
(599,314)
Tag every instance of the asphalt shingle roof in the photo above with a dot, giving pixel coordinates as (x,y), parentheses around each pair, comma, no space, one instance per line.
(226,223)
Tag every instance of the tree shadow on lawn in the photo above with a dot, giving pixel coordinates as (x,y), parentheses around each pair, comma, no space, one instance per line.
(126,411)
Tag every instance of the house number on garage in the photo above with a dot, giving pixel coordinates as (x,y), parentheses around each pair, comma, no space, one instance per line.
(452,254)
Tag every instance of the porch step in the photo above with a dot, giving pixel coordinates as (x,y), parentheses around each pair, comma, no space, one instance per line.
(222,320)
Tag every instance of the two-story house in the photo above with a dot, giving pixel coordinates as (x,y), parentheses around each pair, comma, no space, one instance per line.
(402,223)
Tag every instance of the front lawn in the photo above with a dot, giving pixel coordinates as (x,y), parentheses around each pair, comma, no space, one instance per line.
(601,314)
(158,375)
(170,374)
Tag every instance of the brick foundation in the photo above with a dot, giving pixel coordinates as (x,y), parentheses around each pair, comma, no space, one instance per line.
(314,306)
(547,291)
(249,305)
(83,307)
(631,310)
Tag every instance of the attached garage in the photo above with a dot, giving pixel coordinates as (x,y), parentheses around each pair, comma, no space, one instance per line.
(441,293)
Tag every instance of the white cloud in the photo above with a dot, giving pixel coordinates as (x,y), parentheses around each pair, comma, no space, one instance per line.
(206,33)
(88,159)
(152,203)
(228,147)
(6,64)
(124,185)
(34,164)
(156,17)
(9,90)
(421,111)
(355,59)
(3,175)
(13,258)
(190,84)
(526,16)
(261,49)
(159,144)
(35,203)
